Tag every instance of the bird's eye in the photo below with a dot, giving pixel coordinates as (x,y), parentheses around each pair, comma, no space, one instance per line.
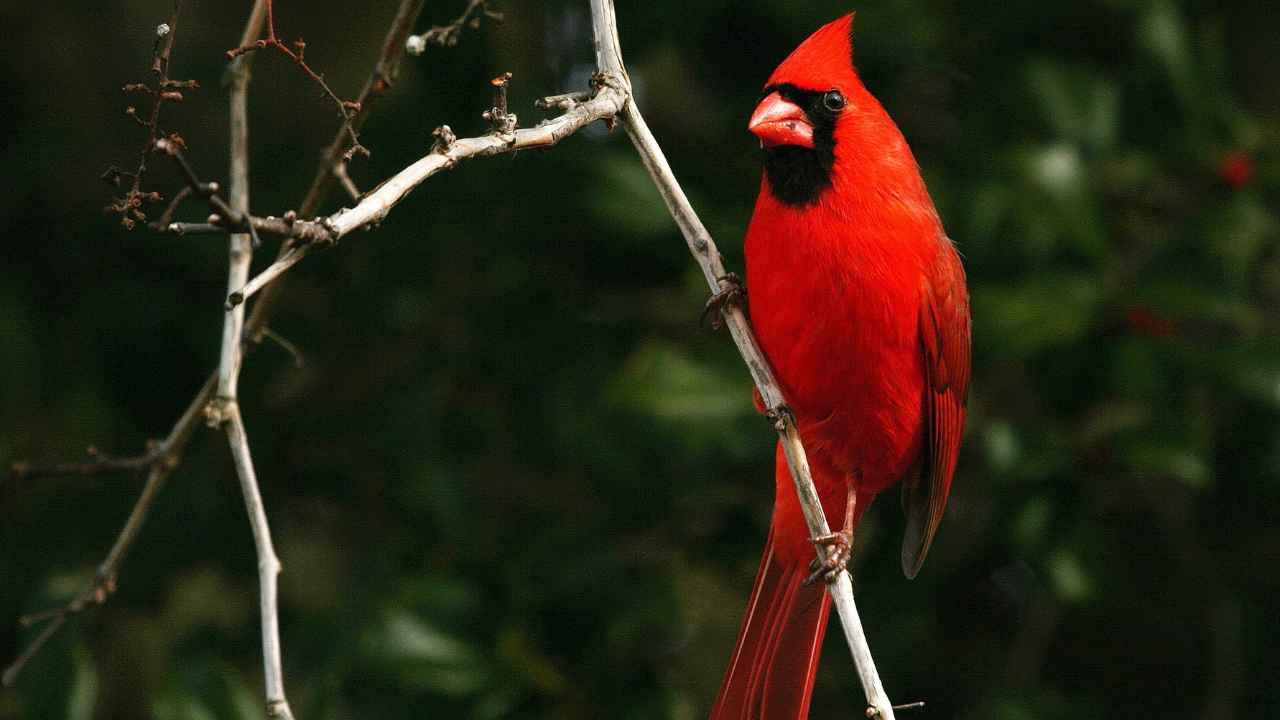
(833,101)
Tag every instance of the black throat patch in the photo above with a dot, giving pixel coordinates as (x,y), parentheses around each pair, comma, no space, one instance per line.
(798,175)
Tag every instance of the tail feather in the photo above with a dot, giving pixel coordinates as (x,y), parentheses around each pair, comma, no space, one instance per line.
(771,673)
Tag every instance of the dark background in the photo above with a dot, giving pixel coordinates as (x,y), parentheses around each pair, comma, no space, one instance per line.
(515,479)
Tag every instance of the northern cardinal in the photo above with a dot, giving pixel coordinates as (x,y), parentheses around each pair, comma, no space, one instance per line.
(858,299)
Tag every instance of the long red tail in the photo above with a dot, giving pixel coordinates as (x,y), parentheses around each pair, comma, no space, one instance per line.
(770,675)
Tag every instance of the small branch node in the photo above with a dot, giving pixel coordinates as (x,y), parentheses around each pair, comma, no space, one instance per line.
(218,411)
(780,416)
(732,293)
(564,101)
(279,709)
(445,138)
(500,121)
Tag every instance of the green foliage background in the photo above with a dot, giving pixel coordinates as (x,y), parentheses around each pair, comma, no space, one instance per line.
(515,479)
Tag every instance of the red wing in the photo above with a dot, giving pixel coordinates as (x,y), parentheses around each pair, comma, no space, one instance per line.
(944,341)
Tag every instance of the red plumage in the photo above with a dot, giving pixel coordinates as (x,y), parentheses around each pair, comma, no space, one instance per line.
(858,299)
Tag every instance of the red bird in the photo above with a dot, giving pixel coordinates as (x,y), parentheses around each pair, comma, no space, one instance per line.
(858,299)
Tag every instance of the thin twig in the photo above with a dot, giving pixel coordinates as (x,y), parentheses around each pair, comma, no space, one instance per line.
(347,109)
(166,217)
(99,465)
(344,179)
(129,207)
(609,58)
(448,35)
(385,73)
(163,459)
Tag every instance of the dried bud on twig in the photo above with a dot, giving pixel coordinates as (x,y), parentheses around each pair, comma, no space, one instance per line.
(502,122)
(444,139)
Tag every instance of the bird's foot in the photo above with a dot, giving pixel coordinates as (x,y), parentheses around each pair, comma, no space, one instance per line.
(840,546)
(731,292)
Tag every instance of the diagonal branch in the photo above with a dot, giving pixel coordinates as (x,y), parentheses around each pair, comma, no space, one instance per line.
(384,75)
(162,460)
(608,100)
(609,57)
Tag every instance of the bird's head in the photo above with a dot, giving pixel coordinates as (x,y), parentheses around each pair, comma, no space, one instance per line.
(807,104)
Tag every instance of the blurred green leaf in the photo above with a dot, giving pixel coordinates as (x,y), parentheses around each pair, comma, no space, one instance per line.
(662,380)
(1041,313)
(1070,579)
(82,696)
(1187,299)
(1240,232)
(1181,464)
(1002,444)
(1081,107)
(627,200)
(1060,204)
(424,656)
(1032,522)
(1162,31)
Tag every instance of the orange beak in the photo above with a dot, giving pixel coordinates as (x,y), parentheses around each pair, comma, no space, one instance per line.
(777,121)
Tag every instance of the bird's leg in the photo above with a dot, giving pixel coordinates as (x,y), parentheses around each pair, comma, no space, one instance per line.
(840,544)
(731,291)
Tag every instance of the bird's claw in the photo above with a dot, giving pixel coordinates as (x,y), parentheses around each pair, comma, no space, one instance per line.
(731,291)
(837,560)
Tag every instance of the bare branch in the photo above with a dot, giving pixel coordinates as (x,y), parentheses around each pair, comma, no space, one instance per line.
(130,206)
(382,78)
(268,563)
(448,35)
(161,462)
(240,250)
(225,408)
(377,204)
(164,458)
(288,227)
(347,109)
(98,465)
(384,75)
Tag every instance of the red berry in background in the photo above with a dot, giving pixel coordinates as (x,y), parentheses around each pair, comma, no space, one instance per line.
(1142,320)
(1237,169)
